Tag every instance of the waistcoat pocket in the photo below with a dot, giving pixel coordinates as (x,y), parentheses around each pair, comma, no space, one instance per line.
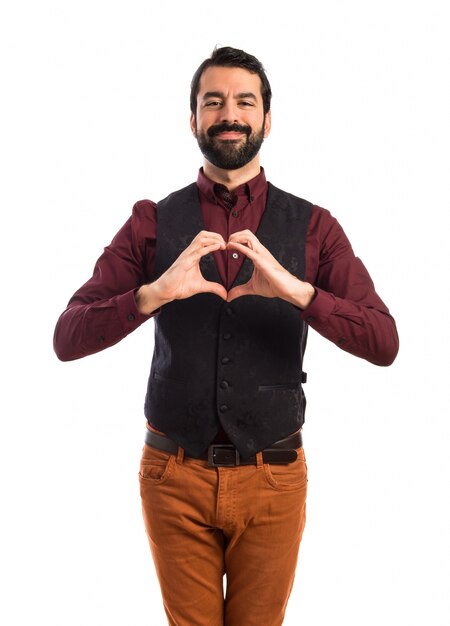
(278,386)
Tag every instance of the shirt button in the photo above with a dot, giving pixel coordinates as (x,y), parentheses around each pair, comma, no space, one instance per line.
(235,255)
(223,408)
(101,339)
(225,360)
(131,317)
(229,311)
(310,318)
(235,214)
(224,384)
(341,342)
(227,336)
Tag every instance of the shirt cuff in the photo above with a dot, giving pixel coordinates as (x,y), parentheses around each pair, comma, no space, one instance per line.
(318,312)
(129,314)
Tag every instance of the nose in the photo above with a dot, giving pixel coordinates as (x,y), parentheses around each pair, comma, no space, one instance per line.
(229,112)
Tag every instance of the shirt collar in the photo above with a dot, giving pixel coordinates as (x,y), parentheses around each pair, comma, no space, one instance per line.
(252,188)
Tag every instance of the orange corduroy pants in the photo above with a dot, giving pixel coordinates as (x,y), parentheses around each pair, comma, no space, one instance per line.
(204,523)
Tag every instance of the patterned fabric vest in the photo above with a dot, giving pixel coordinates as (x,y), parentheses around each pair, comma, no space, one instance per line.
(237,364)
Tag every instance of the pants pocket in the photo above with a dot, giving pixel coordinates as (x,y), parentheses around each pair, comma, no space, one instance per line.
(156,465)
(288,477)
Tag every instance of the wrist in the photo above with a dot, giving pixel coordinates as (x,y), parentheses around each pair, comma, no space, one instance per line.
(303,295)
(148,298)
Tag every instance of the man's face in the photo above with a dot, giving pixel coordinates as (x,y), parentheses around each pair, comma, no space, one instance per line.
(230,124)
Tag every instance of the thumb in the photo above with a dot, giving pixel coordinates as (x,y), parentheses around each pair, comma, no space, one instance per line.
(216,288)
(240,290)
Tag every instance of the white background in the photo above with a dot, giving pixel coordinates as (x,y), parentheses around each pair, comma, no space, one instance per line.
(95,114)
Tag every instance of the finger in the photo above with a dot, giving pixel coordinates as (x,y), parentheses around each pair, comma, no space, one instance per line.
(205,235)
(212,247)
(201,240)
(244,233)
(193,255)
(234,245)
(240,290)
(198,246)
(246,237)
(216,288)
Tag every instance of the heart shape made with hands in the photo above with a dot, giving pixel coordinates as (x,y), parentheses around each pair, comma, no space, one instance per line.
(269,278)
(184,278)
(259,283)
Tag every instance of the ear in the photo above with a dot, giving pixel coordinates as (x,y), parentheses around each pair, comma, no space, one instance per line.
(193,125)
(267,124)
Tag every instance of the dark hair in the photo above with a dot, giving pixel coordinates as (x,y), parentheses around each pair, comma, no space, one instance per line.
(232,57)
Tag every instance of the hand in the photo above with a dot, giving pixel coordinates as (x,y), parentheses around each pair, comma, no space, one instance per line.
(269,278)
(183,279)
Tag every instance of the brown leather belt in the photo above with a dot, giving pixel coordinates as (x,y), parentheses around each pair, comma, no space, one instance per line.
(281,452)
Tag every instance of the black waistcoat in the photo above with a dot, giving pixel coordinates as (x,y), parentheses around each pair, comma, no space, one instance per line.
(237,363)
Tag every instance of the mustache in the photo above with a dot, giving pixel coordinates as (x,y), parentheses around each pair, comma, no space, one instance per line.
(224,127)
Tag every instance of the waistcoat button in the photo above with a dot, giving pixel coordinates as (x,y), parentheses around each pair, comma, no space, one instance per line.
(227,335)
(223,408)
(224,384)
(225,360)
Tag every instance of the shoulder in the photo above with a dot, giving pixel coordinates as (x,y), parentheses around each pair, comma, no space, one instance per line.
(188,193)
(145,211)
(143,217)
(179,201)
(323,219)
(320,217)
(145,207)
(326,231)
(285,198)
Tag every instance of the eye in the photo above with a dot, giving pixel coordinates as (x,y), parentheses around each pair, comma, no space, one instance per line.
(212,103)
(246,103)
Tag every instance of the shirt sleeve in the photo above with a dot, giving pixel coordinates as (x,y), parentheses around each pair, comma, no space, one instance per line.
(103,311)
(346,310)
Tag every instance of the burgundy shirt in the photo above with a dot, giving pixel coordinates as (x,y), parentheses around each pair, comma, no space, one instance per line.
(346,309)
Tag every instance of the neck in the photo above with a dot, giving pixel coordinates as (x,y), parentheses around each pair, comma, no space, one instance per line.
(232,178)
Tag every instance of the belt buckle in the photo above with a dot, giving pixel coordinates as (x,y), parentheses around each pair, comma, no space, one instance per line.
(212,462)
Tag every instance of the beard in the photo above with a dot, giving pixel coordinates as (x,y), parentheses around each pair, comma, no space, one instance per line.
(230,154)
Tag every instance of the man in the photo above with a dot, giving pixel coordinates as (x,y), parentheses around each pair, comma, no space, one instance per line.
(234,271)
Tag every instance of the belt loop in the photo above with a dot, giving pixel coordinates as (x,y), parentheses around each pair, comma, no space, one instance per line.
(259,459)
(180,455)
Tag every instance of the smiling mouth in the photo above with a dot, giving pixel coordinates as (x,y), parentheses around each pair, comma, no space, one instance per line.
(229,135)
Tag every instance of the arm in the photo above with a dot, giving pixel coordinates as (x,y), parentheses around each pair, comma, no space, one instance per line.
(118,298)
(337,298)
(103,311)
(346,310)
